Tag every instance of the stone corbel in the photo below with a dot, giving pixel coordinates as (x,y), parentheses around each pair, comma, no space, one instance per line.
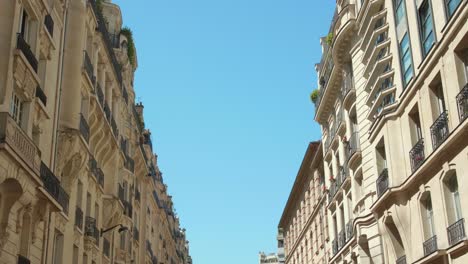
(71,158)
(112,212)
(39,214)
(47,45)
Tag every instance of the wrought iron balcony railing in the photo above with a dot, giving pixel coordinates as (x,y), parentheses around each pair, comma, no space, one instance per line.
(41,95)
(353,145)
(462,102)
(84,128)
(53,187)
(430,245)
(49,24)
(440,130)
(22,45)
(79,218)
(23,260)
(401,260)
(456,232)
(382,182)
(91,229)
(88,66)
(417,156)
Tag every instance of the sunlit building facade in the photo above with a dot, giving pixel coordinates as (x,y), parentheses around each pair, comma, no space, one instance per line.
(392,104)
(304,223)
(79,182)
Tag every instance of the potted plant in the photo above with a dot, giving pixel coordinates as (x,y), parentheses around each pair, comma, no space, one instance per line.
(314,96)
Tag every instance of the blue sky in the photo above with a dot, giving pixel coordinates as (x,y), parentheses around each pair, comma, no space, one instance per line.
(226,85)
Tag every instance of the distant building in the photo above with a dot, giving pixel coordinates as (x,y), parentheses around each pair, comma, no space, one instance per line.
(271,258)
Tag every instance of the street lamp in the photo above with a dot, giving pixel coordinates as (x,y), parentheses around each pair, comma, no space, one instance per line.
(120,230)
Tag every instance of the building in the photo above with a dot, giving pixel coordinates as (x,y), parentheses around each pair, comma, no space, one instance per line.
(271,258)
(392,104)
(304,220)
(79,182)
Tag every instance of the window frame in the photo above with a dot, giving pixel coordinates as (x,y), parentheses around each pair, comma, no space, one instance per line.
(421,25)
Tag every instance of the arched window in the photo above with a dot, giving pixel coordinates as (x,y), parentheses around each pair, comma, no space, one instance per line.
(427,215)
(456,229)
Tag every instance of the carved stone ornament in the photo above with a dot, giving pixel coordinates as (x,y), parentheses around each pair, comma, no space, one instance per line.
(112,211)
(71,157)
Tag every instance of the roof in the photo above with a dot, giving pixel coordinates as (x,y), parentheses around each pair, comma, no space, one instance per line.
(312,155)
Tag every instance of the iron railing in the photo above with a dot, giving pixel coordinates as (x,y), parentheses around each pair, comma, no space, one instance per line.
(49,24)
(91,229)
(401,260)
(22,45)
(23,260)
(121,193)
(41,95)
(456,232)
(79,218)
(440,130)
(353,145)
(88,66)
(53,187)
(430,245)
(382,182)
(417,156)
(462,102)
(84,128)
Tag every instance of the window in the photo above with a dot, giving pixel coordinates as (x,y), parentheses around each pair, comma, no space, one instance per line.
(452,199)
(452,6)
(17,109)
(428,217)
(400,11)
(426,27)
(406,60)
(416,132)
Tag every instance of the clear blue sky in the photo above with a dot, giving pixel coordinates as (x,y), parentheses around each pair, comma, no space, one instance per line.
(226,85)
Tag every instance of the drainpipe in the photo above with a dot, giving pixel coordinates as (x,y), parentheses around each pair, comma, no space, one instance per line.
(57,108)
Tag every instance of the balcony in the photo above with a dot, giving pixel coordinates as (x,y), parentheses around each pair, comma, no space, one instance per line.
(417,155)
(79,218)
(456,232)
(439,130)
(352,145)
(107,39)
(462,102)
(106,247)
(24,47)
(91,230)
(49,24)
(14,138)
(84,128)
(401,260)
(23,260)
(136,233)
(335,246)
(41,95)
(430,246)
(88,66)
(53,187)
(349,230)
(382,182)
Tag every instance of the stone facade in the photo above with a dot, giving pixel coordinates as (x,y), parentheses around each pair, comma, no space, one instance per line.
(304,221)
(392,104)
(79,182)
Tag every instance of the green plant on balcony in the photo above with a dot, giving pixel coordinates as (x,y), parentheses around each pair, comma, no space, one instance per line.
(127,32)
(329,38)
(314,96)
